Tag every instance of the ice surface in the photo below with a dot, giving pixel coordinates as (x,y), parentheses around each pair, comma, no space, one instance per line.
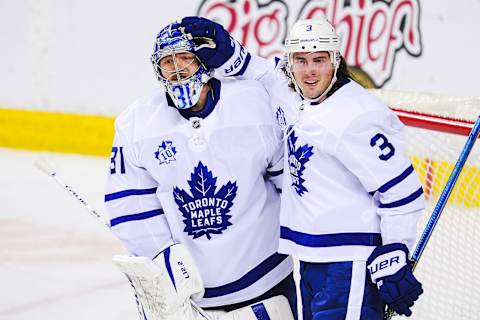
(55,259)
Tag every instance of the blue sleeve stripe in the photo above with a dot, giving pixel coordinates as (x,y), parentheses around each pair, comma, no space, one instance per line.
(260,311)
(274,173)
(390,184)
(245,65)
(127,193)
(331,240)
(403,201)
(136,216)
(248,279)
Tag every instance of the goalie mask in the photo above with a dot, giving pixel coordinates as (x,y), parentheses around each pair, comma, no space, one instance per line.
(173,57)
(312,35)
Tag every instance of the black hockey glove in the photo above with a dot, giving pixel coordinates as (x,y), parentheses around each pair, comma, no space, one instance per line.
(389,270)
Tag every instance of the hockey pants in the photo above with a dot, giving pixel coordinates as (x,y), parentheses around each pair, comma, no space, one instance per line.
(338,291)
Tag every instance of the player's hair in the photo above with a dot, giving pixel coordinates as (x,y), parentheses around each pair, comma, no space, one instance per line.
(343,73)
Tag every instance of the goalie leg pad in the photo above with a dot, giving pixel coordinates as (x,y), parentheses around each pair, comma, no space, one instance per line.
(165,285)
(274,308)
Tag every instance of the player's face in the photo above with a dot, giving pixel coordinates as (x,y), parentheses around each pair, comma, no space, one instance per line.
(185,63)
(313,72)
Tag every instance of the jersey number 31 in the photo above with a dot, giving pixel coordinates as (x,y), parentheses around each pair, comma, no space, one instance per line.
(117,159)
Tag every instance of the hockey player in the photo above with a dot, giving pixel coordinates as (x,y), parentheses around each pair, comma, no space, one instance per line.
(193,192)
(352,200)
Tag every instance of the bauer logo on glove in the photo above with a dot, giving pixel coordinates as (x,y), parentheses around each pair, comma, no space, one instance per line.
(397,285)
(387,264)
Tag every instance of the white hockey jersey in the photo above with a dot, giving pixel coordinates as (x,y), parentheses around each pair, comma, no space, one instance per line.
(351,186)
(209,183)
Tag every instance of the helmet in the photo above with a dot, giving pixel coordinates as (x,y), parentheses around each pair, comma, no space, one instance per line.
(184,92)
(311,35)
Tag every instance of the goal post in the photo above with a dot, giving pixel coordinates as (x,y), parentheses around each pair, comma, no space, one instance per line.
(436,131)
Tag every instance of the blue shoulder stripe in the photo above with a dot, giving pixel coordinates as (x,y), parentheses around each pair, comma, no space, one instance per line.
(403,201)
(136,216)
(331,240)
(248,279)
(127,193)
(390,184)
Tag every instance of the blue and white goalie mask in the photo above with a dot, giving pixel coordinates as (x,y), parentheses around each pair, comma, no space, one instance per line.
(178,68)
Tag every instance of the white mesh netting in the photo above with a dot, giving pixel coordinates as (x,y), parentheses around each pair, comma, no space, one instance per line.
(450,266)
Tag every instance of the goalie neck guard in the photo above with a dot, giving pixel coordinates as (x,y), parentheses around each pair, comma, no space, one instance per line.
(184,90)
(312,35)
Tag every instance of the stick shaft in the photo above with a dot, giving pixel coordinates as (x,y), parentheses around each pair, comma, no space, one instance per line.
(47,169)
(442,201)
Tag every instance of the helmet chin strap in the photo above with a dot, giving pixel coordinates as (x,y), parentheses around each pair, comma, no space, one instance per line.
(324,93)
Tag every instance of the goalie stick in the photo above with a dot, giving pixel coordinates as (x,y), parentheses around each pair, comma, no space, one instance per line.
(45,167)
(442,201)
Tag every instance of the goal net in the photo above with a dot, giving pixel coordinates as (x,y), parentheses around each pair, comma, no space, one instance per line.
(437,129)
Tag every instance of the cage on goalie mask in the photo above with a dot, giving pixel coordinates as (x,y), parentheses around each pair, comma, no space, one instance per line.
(184,90)
(312,35)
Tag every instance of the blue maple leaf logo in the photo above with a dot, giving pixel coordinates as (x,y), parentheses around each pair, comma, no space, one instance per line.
(205,210)
(280,115)
(297,158)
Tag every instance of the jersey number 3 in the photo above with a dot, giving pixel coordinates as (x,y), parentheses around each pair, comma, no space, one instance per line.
(386,147)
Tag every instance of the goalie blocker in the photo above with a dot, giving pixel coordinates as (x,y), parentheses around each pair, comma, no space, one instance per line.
(166,288)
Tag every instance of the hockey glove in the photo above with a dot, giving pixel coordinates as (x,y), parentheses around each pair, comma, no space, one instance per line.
(165,286)
(214,45)
(389,270)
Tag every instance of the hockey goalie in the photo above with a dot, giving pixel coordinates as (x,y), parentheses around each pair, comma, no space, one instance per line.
(193,192)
